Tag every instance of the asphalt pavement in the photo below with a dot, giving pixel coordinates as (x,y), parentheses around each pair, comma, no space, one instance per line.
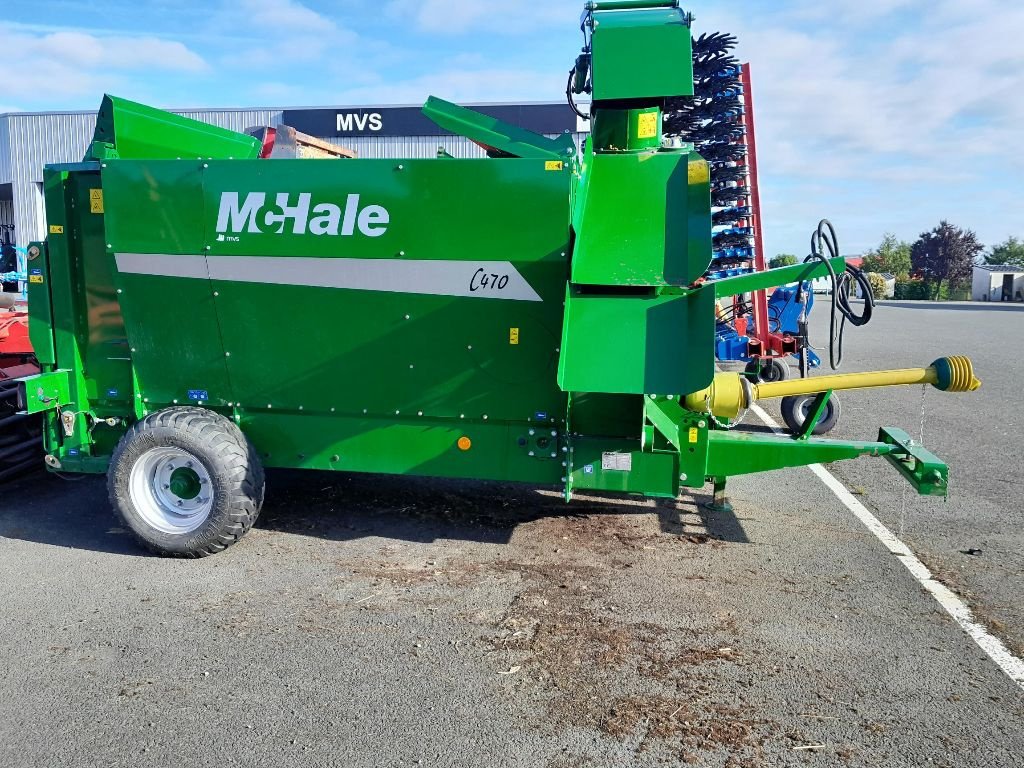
(374,621)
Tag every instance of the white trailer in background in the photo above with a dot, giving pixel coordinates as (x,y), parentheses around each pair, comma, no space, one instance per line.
(998,283)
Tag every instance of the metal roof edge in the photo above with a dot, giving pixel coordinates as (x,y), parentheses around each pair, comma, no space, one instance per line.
(55,113)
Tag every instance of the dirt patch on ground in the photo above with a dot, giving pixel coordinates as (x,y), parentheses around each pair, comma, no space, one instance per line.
(561,634)
(639,682)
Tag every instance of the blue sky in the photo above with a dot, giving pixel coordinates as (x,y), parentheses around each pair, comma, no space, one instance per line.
(884,115)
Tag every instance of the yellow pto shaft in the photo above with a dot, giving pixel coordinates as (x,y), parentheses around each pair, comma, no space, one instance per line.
(730,393)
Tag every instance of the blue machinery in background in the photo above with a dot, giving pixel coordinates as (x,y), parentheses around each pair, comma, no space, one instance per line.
(788,309)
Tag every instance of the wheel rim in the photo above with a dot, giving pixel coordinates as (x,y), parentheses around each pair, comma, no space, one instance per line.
(171,489)
(772,372)
(805,411)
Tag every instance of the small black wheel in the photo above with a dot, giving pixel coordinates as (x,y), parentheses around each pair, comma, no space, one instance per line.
(767,370)
(187,482)
(796,410)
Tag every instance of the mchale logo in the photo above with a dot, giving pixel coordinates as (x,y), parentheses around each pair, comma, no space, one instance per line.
(255,216)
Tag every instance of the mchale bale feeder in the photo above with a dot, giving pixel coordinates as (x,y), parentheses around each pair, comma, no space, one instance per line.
(534,316)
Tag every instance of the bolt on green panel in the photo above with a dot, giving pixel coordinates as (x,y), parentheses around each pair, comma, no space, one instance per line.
(375,286)
(628,344)
(642,219)
(632,50)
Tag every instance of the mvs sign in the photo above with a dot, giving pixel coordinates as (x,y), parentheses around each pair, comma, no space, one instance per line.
(358,122)
(410,121)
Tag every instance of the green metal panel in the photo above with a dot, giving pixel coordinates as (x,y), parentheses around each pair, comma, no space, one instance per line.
(40,326)
(156,207)
(409,350)
(632,50)
(622,130)
(127,129)
(68,311)
(628,344)
(277,327)
(510,140)
(103,344)
(642,219)
(46,391)
(413,446)
(621,467)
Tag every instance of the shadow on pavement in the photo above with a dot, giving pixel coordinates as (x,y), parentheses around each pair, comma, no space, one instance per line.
(423,510)
(76,514)
(977,306)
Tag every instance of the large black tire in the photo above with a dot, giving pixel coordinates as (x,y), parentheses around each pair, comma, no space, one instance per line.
(795,413)
(186,482)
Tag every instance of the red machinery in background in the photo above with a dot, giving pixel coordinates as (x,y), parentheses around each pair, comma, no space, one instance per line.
(20,446)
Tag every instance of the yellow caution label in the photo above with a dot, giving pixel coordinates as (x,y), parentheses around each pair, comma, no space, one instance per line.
(647,125)
(513,336)
(698,172)
(35,278)
(56,229)
(553,165)
(96,201)
(693,434)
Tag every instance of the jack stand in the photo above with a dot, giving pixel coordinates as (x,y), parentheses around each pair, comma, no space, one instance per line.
(719,502)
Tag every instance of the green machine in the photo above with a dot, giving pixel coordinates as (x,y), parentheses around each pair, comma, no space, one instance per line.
(200,313)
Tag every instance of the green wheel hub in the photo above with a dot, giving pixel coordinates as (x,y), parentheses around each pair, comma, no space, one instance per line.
(185,483)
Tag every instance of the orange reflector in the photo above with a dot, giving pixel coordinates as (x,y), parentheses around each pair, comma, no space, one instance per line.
(465,443)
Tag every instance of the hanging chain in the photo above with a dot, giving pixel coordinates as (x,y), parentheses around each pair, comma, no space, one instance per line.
(920,440)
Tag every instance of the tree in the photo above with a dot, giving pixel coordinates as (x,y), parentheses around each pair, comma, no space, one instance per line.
(892,256)
(783,260)
(877,283)
(1010,253)
(946,254)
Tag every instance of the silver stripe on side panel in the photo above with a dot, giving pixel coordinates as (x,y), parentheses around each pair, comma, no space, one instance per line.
(162,264)
(472,279)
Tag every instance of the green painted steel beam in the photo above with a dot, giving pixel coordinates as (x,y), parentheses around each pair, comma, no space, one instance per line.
(744,453)
(667,418)
(924,470)
(734,286)
(492,133)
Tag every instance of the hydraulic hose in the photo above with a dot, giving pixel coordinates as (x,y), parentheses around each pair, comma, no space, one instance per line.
(825,240)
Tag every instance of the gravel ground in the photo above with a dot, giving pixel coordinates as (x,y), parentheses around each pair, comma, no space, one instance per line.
(373,621)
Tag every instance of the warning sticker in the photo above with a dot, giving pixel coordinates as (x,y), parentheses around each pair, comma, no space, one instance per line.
(553,165)
(617,462)
(35,278)
(693,434)
(647,125)
(513,336)
(96,201)
(56,229)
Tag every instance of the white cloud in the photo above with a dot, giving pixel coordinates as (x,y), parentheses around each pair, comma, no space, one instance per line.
(907,111)
(278,15)
(72,64)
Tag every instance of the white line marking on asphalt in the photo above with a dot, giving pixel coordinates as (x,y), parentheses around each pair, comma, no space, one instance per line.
(954,606)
